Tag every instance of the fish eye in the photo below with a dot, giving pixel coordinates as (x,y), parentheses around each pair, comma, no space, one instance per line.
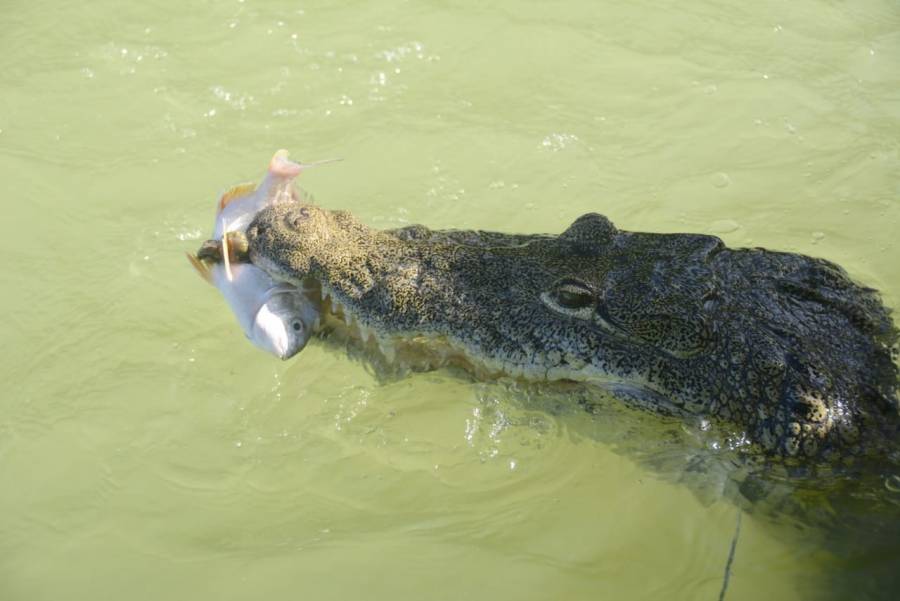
(297,326)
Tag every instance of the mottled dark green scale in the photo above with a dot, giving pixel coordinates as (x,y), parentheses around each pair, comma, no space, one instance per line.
(782,347)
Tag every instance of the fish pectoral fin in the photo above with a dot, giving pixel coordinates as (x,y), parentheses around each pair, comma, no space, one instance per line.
(235,192)
(201,267)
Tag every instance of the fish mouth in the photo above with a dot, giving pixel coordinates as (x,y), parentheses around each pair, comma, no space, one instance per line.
(270,332)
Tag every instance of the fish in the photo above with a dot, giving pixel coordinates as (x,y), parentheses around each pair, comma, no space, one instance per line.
(277,317)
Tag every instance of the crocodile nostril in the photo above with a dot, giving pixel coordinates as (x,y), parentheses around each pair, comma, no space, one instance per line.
(255,230)
(297,219)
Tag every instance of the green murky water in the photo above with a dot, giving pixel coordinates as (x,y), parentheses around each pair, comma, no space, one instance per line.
(147,451)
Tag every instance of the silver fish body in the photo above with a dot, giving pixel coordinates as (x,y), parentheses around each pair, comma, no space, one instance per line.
(277,317)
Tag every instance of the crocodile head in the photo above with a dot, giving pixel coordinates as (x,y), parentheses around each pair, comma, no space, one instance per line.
(783,347)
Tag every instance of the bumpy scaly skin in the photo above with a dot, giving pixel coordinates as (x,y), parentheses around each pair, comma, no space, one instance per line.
(784,347)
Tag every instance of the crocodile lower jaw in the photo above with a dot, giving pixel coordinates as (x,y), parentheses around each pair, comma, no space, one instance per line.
(420,352)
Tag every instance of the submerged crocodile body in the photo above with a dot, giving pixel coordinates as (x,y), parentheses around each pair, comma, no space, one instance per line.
(783,349)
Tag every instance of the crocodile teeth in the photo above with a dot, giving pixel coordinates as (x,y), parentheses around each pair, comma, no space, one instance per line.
(338,307)
(387,349)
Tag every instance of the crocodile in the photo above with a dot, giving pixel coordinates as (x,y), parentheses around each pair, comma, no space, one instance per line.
(783,349)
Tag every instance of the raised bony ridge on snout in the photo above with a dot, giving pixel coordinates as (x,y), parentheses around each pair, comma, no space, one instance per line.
(379,292)
(784,347)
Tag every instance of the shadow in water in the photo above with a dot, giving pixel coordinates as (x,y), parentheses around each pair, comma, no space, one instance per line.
(851,512)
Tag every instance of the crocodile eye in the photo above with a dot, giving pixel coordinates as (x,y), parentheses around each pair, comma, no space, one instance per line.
(571,297)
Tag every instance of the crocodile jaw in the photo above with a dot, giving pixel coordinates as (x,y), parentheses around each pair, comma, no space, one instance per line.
(404,352)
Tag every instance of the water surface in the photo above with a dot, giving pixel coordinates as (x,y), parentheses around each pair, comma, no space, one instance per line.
(148,451)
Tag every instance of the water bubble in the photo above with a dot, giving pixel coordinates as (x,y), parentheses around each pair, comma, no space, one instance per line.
(721,180)
(186,235)
(817,237)
(558,141)
(892,483)
(724,226)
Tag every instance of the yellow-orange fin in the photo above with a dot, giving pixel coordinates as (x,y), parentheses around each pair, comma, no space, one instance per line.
(201,267)
(235,192)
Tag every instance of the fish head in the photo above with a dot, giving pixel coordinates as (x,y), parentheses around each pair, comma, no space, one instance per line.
(285,322)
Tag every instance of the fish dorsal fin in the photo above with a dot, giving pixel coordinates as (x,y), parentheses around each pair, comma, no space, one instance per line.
(235,192)
(201,267)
